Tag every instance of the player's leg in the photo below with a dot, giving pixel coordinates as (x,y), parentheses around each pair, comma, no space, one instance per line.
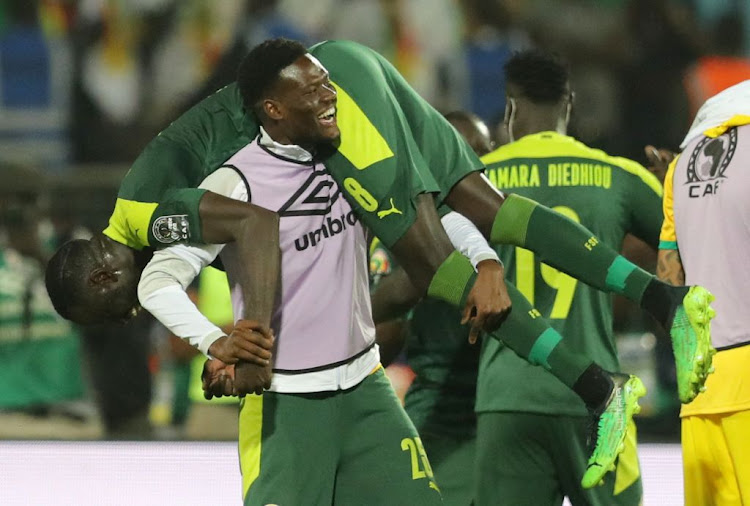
(612,398)
(569,440)
(708,470)
(289,448)
(513,464)
(383,461)
(573,249)
(715,458)
(525,332)
(735,427)
(452,460)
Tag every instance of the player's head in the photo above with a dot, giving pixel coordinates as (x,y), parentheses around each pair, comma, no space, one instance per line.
(538,95)
(473,129)
(93,281)
(289,90)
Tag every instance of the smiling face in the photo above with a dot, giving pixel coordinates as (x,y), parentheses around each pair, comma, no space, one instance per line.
(301,106)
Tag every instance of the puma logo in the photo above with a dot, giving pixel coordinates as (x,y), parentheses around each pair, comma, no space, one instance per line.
(386,212)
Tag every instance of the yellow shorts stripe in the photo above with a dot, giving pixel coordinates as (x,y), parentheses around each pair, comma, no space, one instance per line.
(251,430)
(628,470)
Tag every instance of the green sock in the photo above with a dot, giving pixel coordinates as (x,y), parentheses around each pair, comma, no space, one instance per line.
(531,338)
(567,246)
(453,280)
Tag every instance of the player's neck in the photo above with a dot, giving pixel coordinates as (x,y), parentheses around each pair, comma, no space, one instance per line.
(285,149)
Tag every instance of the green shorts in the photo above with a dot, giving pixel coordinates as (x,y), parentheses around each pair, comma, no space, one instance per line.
(534,459)
(453,461)
(355,446)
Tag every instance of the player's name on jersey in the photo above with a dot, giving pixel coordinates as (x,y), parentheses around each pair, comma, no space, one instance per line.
(555,174)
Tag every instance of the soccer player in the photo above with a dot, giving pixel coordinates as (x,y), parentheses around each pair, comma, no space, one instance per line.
(380,117)
(330,429)
(705,240)
(524,413)
(440,400)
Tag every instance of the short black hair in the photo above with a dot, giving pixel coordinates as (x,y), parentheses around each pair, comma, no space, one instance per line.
(66,275)
(261,67)
(541,76)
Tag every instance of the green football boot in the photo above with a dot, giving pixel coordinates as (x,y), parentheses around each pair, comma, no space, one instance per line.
(691,342)
(612,422)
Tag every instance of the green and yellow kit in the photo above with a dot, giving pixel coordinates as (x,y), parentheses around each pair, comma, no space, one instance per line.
(518,403)
(393,147)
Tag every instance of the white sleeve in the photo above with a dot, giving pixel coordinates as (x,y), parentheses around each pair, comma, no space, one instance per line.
(467,239)
(161,289)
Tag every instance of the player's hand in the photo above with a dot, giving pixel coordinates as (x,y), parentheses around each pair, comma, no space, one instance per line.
(251,378)
(658,161)
(217,379)
(488,303)
(249,341)
(220,379)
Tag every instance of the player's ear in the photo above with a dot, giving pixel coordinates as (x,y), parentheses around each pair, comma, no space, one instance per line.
(102,276)
(510,116)
(272,109)
(569,106)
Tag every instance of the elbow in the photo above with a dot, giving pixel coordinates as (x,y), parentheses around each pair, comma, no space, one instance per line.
(260,224)
(143,297)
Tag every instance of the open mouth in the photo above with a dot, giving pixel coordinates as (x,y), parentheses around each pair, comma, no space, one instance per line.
(328,117)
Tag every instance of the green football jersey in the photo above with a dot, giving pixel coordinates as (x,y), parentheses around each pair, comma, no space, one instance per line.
(611,196)
(393,147)
(40,351)
(440,400)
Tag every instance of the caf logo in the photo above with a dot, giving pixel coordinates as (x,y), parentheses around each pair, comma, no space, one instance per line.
(711,157)
(169,229)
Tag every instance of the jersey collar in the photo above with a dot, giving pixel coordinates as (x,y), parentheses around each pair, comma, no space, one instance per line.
(289,151)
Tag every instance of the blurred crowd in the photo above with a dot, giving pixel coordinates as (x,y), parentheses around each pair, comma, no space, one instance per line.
(85,84)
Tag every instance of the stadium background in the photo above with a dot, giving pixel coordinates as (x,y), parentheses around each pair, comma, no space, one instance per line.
(84,84)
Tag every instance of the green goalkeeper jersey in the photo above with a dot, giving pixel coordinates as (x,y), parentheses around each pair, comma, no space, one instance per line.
(611,196)
(393,147)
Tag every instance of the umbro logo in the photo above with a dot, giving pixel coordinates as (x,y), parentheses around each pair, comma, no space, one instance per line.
(315,197)
(331,227)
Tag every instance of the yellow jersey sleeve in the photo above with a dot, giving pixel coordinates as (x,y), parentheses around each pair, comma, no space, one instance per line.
(668,236)
(129,223)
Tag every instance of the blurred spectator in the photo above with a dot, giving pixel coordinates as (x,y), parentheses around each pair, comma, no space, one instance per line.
(136,61)
(708,13)
(39,351)
(665,41)
(117,356)
(725,64)
(217,418)
(35,77)
(491,37)
(591,35)
(404,31)
(259,20)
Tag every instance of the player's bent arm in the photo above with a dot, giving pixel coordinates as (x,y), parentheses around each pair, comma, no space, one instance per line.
(391,338)
(161,291)
(489,290)
(669,267)
(394,296)
(164,280)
